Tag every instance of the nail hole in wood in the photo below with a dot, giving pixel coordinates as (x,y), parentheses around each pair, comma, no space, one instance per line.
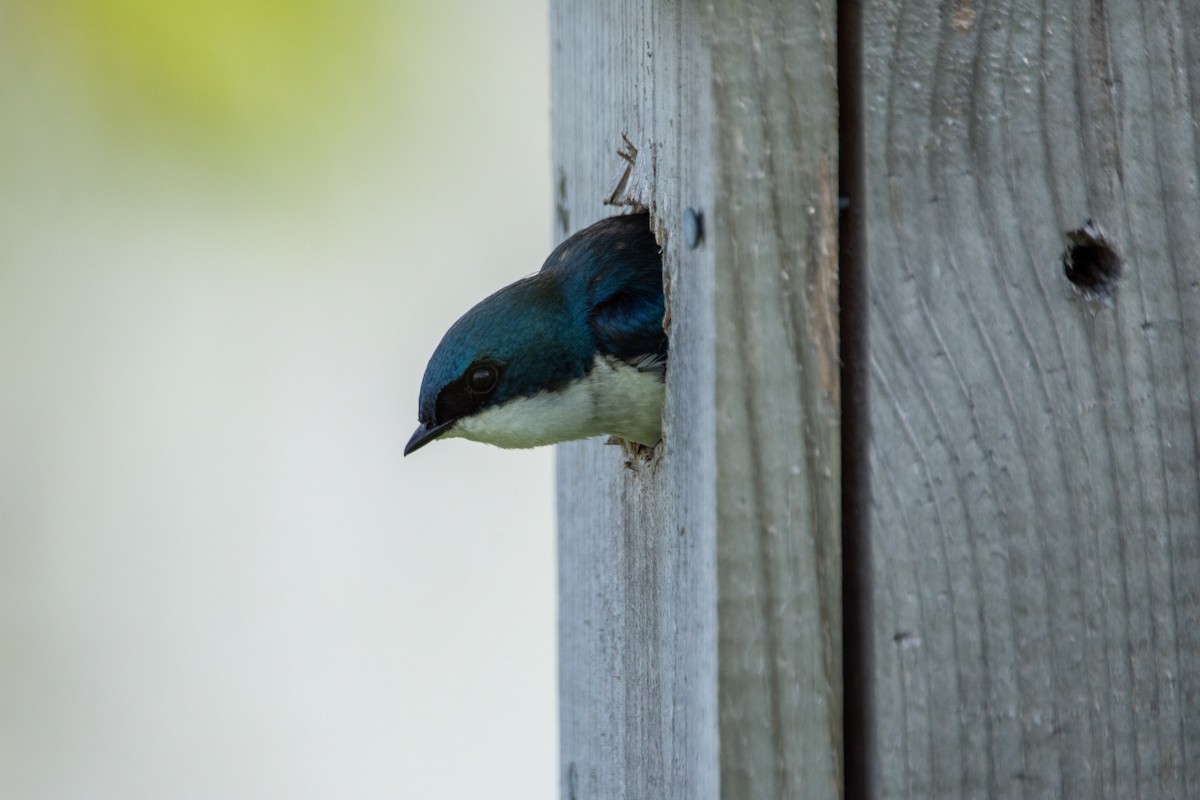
(693,227)
(1092,264)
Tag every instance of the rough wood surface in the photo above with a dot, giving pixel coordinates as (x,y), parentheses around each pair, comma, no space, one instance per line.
(699,596)
(1035,461)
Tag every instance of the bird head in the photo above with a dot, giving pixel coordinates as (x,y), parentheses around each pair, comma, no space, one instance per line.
(514,346)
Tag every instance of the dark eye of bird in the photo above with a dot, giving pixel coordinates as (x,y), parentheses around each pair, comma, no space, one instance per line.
(467,393)
(483,378)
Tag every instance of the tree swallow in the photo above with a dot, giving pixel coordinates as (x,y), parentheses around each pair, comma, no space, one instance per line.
(575,350)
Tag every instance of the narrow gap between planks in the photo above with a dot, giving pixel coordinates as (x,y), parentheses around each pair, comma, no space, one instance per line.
(857,629)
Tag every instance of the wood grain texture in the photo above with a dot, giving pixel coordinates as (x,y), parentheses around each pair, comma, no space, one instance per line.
(699,597)
(1036,481)
(778,469)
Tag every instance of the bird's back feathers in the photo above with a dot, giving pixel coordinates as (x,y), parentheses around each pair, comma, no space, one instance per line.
(614,268)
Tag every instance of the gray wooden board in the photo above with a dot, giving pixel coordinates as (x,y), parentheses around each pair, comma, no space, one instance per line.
(699,596)
(1036,482)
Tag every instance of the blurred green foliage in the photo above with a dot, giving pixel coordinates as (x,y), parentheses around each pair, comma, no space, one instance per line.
(242,78)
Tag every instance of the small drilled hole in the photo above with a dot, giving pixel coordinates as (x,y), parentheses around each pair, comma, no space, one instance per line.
(1092,264)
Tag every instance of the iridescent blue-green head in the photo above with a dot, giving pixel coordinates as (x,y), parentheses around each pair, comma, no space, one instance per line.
(516,344)
(575,351)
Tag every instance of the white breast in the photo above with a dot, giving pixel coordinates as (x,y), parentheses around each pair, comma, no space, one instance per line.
(613,399)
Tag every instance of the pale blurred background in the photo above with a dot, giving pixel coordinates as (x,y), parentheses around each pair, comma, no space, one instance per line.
(231,233)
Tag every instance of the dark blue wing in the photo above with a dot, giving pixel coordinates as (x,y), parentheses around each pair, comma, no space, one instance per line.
(628,324)
(626,292)
(613,270)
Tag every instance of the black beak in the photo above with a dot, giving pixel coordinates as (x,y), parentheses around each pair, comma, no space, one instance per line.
(425,434)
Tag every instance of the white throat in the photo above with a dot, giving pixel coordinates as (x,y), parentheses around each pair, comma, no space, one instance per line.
(614,399)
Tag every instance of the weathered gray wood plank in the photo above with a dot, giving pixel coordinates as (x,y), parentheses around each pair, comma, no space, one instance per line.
(1035,460)
(700,597)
